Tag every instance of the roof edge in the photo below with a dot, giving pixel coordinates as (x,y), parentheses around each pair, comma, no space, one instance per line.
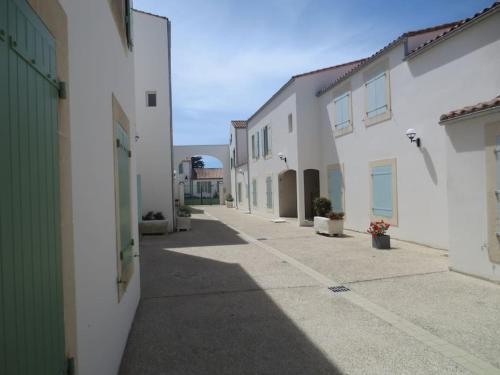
(471,115)
(149,14)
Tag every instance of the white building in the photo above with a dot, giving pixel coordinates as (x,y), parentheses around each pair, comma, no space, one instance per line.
(154,114)
(238,152)
(341,132)
(369,168)
(71,72)
(287,125)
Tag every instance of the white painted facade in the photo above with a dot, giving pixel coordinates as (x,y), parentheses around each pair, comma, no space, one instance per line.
(100,65)
(471,166)
(421,89)
(296,137)
(238,152)
(154,128)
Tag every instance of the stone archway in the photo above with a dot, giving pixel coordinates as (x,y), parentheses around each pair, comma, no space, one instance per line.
(220,152)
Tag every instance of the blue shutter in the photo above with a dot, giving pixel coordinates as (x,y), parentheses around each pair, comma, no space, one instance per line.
(376,95)
(269,192)
(335,189)
(497,158)
(258,144)
(342,111)
(253,146)
(382,191)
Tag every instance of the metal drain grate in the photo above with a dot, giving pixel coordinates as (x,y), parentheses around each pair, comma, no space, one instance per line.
(339,289)
(261,239)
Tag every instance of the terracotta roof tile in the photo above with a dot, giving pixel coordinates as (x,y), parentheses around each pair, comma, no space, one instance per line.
(457,26)
(208,173)
(490,104)
(239,124)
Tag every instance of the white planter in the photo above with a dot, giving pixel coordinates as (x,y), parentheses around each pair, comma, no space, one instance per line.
(229,204)
(326,226)
(183,223)
(153,227)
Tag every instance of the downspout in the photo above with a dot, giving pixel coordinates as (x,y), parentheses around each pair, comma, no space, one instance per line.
(235,164)
(169,28)
(248,172)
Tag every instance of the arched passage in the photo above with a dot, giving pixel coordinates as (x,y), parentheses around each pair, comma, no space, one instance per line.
(287,191)
(311,191)
(220,152)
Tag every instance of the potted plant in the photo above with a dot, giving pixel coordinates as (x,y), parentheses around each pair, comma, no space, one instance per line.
(153,223)
(380,240)
(229,200)
(184,218)
(325,221)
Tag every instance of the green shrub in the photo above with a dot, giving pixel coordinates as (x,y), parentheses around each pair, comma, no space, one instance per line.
(322,206)
(184,211)
(229,197)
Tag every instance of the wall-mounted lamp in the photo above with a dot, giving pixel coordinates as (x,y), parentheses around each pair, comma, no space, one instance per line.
(136,136)
(241,171)
(411,134)
(282,156)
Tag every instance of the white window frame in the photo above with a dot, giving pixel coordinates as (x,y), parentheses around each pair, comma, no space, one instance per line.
(368,75)
(393,220)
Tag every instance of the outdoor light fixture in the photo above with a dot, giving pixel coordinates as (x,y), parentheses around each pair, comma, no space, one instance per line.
(282,156)
(411,134)
(241,171)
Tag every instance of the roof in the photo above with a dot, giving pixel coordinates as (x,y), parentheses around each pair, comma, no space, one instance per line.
(208,173)
(149,14)
(469,110)
(239,124)
(394,43)
(293,78)
(458,26)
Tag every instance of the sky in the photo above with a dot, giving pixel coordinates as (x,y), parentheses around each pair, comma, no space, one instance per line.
(230,56)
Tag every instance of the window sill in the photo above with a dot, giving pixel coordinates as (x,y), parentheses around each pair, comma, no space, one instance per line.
(387,115)
(344,131)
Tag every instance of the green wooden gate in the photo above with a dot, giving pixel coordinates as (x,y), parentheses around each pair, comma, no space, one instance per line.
(31,302)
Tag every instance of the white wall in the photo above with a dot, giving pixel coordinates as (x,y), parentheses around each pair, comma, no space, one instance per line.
(154,147)
(445,77)
(466,180)
(99,66)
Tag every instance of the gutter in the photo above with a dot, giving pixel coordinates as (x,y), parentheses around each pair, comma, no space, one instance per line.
(169,38)
(282,88)
(470,116)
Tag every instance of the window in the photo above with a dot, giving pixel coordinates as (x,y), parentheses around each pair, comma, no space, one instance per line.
(258,145)
(290,123)
(342,111)
(124,224)
(383,191)
(181,168)
(336,188)
(377,97)
(151,99)
(234,157)
(254,192)
(240,197)
(253,147)
(492,153)
(266,137)
(269,192)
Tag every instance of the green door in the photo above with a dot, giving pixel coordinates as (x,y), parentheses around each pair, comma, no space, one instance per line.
(31,302)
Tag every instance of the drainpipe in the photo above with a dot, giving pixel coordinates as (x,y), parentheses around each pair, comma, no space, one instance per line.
(248,172)
(174,218)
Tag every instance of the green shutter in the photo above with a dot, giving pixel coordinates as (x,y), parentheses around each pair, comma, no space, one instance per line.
(31,307)
(124,211)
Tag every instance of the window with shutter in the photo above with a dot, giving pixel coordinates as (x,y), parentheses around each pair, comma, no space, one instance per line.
(254,192)
(383,190)
(258,144)
(376,95)
(335,188)
(240,197)
(253,146)
(342,113)
(269,192)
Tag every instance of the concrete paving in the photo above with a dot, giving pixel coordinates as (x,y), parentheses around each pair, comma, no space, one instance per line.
(246,296)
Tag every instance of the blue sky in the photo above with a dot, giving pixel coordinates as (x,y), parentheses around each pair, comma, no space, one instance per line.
(230,56)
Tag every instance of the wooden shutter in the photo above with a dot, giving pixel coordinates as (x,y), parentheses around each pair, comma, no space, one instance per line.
(31,299)
(124,210)
(342,111)
(335,189)
(382,191)
(376,95)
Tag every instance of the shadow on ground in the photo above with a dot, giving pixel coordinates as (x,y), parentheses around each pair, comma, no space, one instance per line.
(202,316)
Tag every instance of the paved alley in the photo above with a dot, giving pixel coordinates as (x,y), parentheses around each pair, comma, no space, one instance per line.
(239,294)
